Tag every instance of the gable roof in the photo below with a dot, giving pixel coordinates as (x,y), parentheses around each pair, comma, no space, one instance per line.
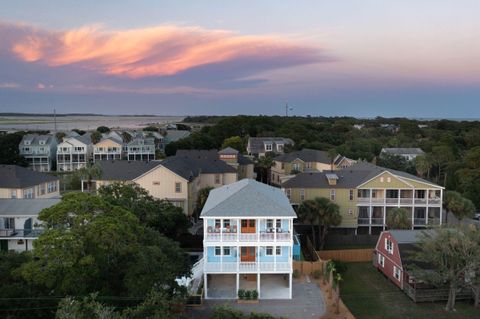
(212,155)
(404,236)
(228,151)
(350,177)
(306,155)
(13,176)
(247,198)
(175,135)
(189,166)
(35,139)
(257,144)
(124,170)
(25,207)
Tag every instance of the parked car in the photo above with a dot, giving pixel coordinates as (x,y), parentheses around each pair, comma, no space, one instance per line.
(476,216)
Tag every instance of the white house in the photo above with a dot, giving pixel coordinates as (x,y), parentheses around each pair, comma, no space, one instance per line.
(405,152)
(19,225)
(74,153)
(248,240)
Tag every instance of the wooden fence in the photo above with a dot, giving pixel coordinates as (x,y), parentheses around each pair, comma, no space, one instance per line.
(308,267)
(347,255)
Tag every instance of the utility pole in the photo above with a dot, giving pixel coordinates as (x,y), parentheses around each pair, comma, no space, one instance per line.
(287,108)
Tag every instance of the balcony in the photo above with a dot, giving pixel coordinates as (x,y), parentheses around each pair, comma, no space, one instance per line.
(33,233)
(419,221)
(225,236)
(246,267)
(434,201)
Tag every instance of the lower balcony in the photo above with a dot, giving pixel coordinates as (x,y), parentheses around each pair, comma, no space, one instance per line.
(30,233)
(246,267)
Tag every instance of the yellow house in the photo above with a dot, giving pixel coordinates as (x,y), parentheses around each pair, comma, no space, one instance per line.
(19,182)
(176,179)
(367,194)
(306,160)
(107,149)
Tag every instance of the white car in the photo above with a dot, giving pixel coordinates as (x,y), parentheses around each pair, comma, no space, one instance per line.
(476,216)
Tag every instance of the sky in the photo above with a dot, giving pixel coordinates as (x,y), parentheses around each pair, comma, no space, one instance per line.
(363,58)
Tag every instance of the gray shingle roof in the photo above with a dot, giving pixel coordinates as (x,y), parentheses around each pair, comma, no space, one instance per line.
(247,198)
(124,170)
(403,151)
(228,151)
(13,176)
(35,139)
(175,135)
(306,155)
(211,154)
(350,177)
(257,144)
(25,207)
(409,236)
(189,166)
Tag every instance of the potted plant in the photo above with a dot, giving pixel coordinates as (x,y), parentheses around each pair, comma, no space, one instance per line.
(255,294)
(241,294)
(248,295)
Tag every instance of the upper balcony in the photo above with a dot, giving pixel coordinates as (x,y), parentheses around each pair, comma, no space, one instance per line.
(400,197)
(251,230)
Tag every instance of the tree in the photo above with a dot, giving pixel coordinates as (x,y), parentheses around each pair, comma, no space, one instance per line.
(127,138)
(60,136)
(85,308)
(103,129)
(323,213)
(398,219)
(151,128)
(89,173)
(458,205)
(264,163)
(158,214)
(423,165)
(96,137)
(91,245)
(451,252)
(9,152)
(202,197)
(235,142)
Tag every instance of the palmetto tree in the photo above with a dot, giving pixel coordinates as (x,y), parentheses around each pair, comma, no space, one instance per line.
(321,212)
(457,204)
(398,219)
(265,163)
(89,173)
(423,164)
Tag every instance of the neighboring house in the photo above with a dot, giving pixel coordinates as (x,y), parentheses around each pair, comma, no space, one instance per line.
(74,153)
(394,257)
(367,193)
(306,160)
(107,149)
(390,127)
(19,182)
(173,135)
(141,148)
(229,155)
(19,224)
(359,126)
(39,151)
(176,179)
(259,146)
(407,153)
(248,241)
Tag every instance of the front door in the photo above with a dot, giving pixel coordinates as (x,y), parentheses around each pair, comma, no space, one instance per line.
(248,226)
(247,254)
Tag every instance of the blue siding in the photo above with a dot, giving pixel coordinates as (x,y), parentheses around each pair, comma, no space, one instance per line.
(230,258)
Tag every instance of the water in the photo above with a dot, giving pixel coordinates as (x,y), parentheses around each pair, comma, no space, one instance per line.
(82,122)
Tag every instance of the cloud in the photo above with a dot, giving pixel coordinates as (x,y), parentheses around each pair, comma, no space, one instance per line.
(40,86)
(159,51)
(9,85)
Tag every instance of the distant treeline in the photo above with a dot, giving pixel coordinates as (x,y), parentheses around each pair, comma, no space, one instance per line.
(79,114)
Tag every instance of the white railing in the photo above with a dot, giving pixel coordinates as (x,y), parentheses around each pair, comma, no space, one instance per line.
(406,201)
(248,237)
(391,200)
(247,266)
(434,201)
(420,201)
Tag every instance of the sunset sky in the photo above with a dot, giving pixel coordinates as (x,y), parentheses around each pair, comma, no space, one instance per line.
(361,58)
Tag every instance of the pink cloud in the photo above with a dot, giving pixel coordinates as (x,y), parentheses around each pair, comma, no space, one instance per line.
(153,51)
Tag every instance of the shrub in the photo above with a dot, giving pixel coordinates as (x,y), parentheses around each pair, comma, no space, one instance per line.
(248,295)
(316,274)
(254,294)
(241,294)
(296,273)
(340,266)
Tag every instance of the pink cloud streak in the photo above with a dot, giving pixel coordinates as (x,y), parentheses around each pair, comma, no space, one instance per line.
(153,51)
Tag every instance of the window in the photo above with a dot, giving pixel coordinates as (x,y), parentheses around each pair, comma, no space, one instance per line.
(52,187)
(278,251)
(269,223)
(388,246)
(28,193)
(302,194)
(226,223)
(218,251)
(351,195)
(268,147)
(332,194)
(217,178)
(396,273)
(381,179)
(9,223)
(41,189)
(283,166)
(288,193)
(389,179)
(308,165)
(381,260)
(178,187)
(244,223)
(226,251)
(156,183)
(278,223)
(13,193)
(217,223)
(269,251)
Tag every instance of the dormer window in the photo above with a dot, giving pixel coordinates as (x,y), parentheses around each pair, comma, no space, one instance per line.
(42,142)
(27,142)
(268,147)
(279,147)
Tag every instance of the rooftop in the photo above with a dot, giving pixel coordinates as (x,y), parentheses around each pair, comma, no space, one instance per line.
(124,170)
(25,207)
(403,150)
(306,155)
(14,176)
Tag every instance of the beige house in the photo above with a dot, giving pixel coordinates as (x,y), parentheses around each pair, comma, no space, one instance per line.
(19,182)
(177,179)
(307,160)
(107,149)
(367,194)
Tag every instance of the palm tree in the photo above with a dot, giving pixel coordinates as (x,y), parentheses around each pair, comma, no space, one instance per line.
(423,165)
(201,199)
(398,219)
(265,163)
(332,154)
(458,205)
(323,213)
(89,173)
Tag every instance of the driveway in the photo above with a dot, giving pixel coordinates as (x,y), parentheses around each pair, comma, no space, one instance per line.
(307,302)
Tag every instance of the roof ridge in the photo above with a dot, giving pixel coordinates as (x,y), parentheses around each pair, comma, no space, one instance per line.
(230,195)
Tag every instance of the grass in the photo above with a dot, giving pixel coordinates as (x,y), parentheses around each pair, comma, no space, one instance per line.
(368,294)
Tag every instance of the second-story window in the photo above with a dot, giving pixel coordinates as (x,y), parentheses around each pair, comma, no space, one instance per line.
(226,223)
(268,147)
(226,251)
(388,246)
(217,223)
(302,194)
(351,194)
(178,187)
(278,251)
(217,178)
(269,251)
(13,193)
(269,223)
(28,193)
(218,251)
(288,193)
(332,194)
(278,223)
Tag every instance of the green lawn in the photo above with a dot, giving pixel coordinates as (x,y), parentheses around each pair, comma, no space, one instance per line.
(368,294)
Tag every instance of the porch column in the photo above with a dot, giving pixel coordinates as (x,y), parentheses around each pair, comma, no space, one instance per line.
(238,258)
(205,284)
(258,284)
(384,215)
(426,215)
(274,258)
(441,206)
(290,285)
(399,195)
(370,213)
(221,231)
(274,229)
(221,258)
(413,216)
(238,282)
(239,222)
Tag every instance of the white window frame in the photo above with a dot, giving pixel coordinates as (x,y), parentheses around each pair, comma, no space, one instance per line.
(381,260)
(218,179)
(351,195)
(217,222)
(269,223)
(267,249)
(278,223)
(13,193)
(219,249)
(302,194)
(333,194)
(226,222)
(178,187)
(397,272)
(389,246)
(278,250)
(268,147)
(227,251)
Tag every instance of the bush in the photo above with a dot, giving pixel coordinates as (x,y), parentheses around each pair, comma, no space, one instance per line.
(254,294)
(241,294)
(340,266)
(248,295)
(296,273)
(316,274)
